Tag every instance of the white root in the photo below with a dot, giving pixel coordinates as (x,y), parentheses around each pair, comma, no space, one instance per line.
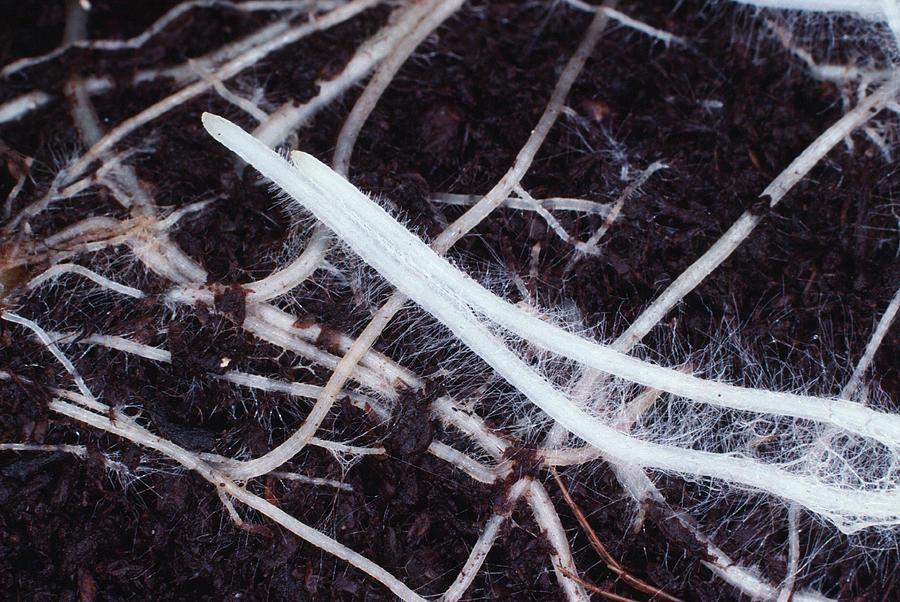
(281,282)
(289,117)
(476,214)
(550,204)
(47,341)
(485,542)
(54,272)
(418,23)
(745,224)
(159,25)
(884,324)
(561,557)
(223,73)
(75,450)
(870,9)
(297,441)
(472,313)
(457,301)
(125,427)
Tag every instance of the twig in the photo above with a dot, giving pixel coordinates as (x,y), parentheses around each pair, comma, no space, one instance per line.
(598,546)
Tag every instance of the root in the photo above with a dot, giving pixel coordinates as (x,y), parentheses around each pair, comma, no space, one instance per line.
(608,399)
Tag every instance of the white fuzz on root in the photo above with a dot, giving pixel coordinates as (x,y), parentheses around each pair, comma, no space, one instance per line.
(471,312)
(873,11)
(870,9)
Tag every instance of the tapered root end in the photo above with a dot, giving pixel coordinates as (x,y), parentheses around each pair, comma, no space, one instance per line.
(213,124)
(301,159)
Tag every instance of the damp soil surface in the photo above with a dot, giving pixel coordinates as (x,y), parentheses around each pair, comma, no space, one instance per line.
(726,110)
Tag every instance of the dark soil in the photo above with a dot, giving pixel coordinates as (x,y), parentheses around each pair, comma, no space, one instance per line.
(727,112)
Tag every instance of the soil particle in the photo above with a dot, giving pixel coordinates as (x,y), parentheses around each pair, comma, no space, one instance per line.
(232,302)
(410,431)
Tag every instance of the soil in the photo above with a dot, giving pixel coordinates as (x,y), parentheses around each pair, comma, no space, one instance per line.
(726,111)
